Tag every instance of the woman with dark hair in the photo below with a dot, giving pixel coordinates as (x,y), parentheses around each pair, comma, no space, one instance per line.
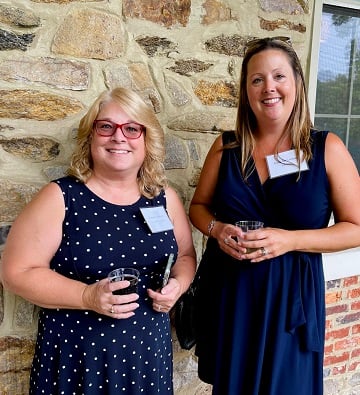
(113,210)
(260,302)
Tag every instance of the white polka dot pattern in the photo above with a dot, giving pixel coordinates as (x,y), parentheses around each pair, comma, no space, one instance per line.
(82,352)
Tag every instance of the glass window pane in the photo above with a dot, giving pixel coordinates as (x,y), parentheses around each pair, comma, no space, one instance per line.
(332,96)
(355,108)
(337,105)
(339,30)
(335,125)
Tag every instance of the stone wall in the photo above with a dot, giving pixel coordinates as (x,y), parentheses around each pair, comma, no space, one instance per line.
(56,56)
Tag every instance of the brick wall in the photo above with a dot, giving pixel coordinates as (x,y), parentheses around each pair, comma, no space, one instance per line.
(342,347)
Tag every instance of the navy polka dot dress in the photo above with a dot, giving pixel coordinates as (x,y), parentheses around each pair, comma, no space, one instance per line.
(82,352)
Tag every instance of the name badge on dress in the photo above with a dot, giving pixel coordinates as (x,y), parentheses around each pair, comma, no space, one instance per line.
(156,218)
(284,163)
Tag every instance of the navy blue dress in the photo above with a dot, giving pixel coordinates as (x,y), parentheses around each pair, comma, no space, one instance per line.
(261,326)
(83,352)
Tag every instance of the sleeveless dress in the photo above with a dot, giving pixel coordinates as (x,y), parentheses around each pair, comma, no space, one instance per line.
(83,352)
(261,326)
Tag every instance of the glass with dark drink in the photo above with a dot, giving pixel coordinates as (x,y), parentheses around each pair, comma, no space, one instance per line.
(122,274)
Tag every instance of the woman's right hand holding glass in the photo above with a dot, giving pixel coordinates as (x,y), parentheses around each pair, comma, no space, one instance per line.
(99,297)
(227,236)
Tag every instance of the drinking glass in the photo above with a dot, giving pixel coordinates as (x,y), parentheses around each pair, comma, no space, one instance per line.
(248,226)
(122,274)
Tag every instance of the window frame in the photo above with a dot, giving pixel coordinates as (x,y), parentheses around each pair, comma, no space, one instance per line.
(343,263)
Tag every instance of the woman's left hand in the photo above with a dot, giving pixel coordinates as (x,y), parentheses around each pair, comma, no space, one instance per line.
(165,298)
(265,243)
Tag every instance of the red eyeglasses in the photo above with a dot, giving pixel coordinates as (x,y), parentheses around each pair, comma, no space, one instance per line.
(131,130)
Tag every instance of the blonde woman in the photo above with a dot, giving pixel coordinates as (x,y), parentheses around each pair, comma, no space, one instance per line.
(113,210)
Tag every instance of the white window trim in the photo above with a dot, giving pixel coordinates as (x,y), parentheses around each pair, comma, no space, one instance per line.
(315,44)
(344,263)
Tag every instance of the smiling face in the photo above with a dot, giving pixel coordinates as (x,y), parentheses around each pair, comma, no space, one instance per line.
(271,87)
(116,153)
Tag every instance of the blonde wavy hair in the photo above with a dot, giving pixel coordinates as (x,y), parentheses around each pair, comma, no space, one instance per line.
(151,176)
(299,124)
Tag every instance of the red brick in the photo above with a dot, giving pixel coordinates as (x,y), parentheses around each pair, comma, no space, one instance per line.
(332,297)
(353,366)
(337,334)
(354,293)
(328,324)
(350,281)
(355,329)
(355,353)
(333,359)
(347,343)
(337,309)
(339,370)
(328,349)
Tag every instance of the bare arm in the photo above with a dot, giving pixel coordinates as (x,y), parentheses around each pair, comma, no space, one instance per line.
(185,265)
(200,211)
(200,208)
(33,240)
(345,192)
(183,271)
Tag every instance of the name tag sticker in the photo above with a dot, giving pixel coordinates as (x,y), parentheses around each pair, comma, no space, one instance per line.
(157,218)
(284,163)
